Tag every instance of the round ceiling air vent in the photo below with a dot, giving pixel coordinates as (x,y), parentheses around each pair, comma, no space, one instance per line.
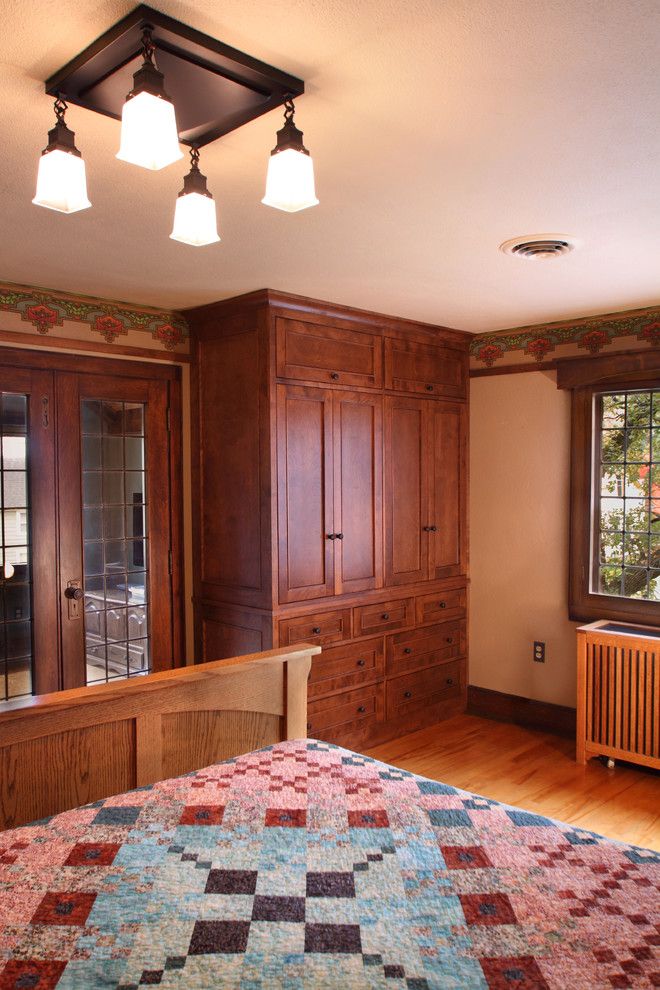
(539,246)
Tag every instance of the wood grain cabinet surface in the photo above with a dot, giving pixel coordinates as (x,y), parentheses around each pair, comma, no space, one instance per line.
(330,488)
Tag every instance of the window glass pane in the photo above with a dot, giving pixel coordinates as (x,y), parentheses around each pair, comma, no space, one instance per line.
(115,540)
(15,550)
(627,520)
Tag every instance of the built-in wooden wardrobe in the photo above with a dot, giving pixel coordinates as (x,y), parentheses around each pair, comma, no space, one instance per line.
(330,483)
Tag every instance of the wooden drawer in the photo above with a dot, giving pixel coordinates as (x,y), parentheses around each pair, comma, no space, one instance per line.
(344,667)
(351,708)
(424,688)
(430,369)
(384,617)
(312,353)
(317,627)
(441,605)
(407,651)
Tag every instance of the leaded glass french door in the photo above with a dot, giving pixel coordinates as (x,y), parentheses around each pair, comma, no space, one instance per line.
(88,527)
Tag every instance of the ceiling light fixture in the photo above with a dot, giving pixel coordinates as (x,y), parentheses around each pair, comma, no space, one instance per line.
(194,215)
(149,137)
(290,176)
(215,89)
(61,179)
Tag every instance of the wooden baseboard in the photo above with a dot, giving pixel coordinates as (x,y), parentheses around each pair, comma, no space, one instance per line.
(522,711)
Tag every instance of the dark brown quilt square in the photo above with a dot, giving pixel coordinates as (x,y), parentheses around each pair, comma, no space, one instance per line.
(464,857)
(332,938)
(92,854)
(272,908)
(330,885)
(513,973)
(288,818)
(210,937)
(202,814)
(487,909)
(64,909)
(231,882)
(37,974)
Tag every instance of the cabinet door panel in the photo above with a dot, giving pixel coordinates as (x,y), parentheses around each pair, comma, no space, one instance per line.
(358,491)
(411,366)
(305,516)
(313,353)
(447,546)
(406,491)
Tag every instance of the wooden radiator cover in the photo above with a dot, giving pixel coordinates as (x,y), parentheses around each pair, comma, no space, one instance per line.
(618,705)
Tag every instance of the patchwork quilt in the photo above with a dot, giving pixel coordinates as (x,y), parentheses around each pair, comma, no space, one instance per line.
(307,866)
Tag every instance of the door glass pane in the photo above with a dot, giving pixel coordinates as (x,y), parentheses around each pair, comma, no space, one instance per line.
(115,540)
(15,578)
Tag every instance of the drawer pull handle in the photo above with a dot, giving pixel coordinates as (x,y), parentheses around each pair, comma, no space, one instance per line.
(385,616)
(361,663)
(429,388)
(316,630)
(362,709)
(331,536)
(442,604)
(450,680)
(335,376)
(430,529)
(450,639)
(407,694)
(408,649)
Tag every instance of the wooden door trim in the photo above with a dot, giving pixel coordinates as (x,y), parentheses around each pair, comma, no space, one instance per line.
(45,360)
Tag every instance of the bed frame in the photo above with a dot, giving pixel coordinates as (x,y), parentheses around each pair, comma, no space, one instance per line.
(58,751)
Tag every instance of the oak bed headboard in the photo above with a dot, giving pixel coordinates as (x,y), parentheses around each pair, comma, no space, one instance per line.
(58,751)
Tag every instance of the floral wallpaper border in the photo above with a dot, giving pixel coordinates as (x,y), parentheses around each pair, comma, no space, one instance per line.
(530,344)
(47,309)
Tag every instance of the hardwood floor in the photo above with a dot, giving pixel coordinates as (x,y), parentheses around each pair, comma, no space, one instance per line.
(535,771)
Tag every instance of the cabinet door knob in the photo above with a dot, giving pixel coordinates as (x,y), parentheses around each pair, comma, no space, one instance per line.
(433,529)
(339,536)
(335,376)
(429,388)
(450,680)
(408,649)
(407,694)
(361,663)
(427,529)
(362,709)
(385,616)
(316,630)
(450,639)
(331,536)
(442,604)
(74,594)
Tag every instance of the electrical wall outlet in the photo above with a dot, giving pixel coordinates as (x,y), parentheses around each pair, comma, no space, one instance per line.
(539,651)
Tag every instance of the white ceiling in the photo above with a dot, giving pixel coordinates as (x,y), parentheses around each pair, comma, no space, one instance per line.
(439,128)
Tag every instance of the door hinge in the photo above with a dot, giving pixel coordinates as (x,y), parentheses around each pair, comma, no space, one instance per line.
(170,566)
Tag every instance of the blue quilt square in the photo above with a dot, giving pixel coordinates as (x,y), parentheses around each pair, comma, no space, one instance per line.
(526,818)
(433,787)
(119,815)
(450,817)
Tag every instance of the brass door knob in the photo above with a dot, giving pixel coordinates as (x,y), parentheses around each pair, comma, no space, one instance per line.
(75,594)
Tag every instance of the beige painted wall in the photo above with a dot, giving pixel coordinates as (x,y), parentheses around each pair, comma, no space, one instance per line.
(520,433)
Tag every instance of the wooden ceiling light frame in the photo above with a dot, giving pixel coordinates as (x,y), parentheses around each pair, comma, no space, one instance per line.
(215,88)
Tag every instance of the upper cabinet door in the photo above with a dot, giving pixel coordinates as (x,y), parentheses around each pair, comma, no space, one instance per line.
(406,490)
(304,487)
(431,369)
(331,355)
(448,489)
(358,437)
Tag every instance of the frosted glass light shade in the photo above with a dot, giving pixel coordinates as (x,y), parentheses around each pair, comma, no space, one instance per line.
(290,181)
(149,137)
(61,182)
(195,220)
